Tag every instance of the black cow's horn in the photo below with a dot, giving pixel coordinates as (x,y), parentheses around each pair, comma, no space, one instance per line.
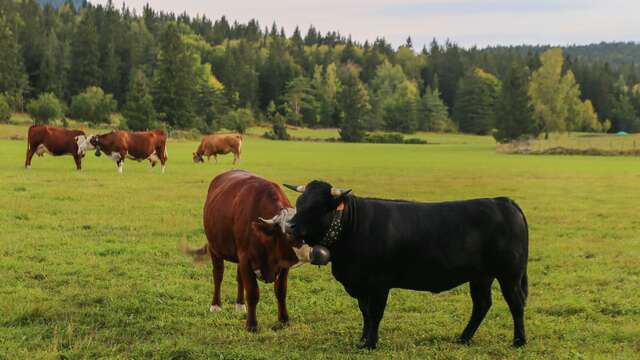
(339,192)
(298,188)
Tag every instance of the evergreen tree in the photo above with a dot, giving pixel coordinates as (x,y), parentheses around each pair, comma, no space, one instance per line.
(175,83)
(474,109)
(139,112)
(433,114)
(300,105)
(85,56)
(353,104)
(13,79)
(514,115)
(326,87)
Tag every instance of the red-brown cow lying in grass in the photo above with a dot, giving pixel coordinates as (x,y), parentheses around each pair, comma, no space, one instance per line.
(56,141)
(236,210)
(139,145)
(219,144)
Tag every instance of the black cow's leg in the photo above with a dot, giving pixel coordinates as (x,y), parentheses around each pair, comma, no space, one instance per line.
(481,297)
(514,296)
(363,303)
(218,273)
(240,296)
(377,304)
(280,288)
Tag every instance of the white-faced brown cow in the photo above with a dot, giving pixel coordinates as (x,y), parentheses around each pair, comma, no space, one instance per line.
(43,139)
(234,221)
(139,145)
(218,144)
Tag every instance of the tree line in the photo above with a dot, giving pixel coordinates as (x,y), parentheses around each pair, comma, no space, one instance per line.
(179,71)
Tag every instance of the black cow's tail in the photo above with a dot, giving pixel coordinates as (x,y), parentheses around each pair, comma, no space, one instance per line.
(524,286)
(198,255)
(524,281)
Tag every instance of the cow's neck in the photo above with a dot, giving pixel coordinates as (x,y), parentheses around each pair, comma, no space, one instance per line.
(335,227)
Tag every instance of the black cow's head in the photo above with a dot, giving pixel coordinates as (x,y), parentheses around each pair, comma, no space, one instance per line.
(315,209)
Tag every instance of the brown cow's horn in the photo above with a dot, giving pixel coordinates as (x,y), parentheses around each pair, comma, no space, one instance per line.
(339,192)
(298,188)
(269,221)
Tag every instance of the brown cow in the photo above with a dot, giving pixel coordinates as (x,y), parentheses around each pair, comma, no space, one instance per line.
(234,221)
(56,141)
(139,145)
(218,144)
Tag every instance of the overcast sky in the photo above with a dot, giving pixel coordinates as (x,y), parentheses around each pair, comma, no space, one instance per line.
(466,22)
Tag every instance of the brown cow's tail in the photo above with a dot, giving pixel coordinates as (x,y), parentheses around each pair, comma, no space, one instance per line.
(198,255)
(29,136)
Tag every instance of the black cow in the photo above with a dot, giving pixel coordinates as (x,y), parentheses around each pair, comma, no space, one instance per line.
(376,245)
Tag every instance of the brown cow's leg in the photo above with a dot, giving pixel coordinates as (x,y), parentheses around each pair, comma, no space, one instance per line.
(240,306)
(253,293)
(30,151)
(78,161)
(218,272)
(280,287)
(162,155)
(215,157)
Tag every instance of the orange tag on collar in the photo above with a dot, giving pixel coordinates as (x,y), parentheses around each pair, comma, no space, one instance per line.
(340,207)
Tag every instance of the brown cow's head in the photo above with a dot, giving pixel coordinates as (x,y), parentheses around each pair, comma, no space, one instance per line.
(275,233)
(95,142)
(84,144)
(198,158)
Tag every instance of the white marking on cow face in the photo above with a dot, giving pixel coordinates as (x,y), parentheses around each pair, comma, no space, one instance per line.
(84,144)
(120,165)
(241,308)
(303,253)
(163,168)
(215,308)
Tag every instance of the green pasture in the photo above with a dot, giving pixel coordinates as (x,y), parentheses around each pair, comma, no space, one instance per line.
(90,266)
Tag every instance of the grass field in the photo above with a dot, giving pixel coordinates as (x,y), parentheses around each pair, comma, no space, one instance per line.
(90,267)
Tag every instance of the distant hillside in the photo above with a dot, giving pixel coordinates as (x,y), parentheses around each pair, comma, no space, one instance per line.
(56,3)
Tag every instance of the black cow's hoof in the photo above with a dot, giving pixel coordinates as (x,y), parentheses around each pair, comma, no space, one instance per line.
(368,345)
(519,342)
(463,341)
(280,325)
(252,328)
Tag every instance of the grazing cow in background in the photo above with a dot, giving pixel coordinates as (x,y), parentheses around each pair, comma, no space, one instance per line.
(376,245)
(139,145)
(218,144)
(245,219)
(56,141)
